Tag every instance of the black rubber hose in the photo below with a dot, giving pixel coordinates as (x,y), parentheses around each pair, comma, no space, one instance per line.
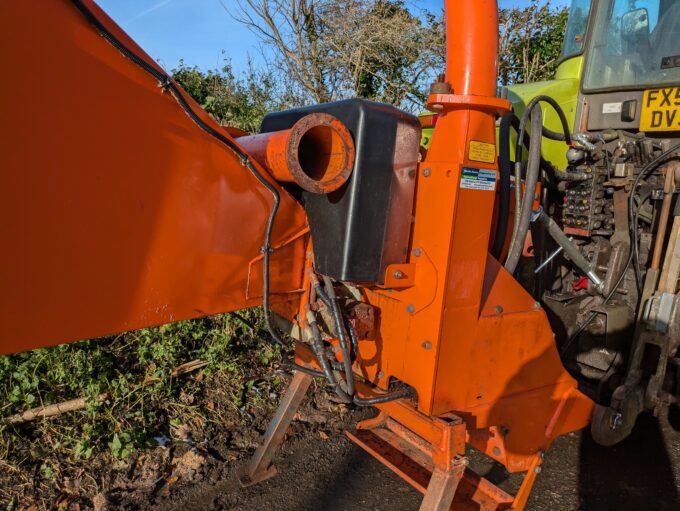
(525,117)
(506,167)
(546,165)
(384,398)
(523,217)
(322,295)
(319,351)
(504,170)
(342,335)
(353,337)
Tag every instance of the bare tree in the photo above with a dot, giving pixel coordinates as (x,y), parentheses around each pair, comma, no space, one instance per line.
(530,42)
(333,49)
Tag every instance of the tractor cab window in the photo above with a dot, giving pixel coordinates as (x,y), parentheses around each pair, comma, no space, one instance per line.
(634,43)
(576,28)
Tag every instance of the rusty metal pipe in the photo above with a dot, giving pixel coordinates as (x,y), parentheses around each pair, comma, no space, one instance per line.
(317,153)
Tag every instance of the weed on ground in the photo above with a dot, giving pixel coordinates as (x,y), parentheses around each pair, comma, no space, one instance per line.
(150,397)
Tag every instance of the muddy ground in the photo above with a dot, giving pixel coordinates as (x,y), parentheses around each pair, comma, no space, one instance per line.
(319,469)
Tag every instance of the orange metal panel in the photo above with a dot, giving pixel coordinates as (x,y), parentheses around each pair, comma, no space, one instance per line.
(118,212)
(466,335)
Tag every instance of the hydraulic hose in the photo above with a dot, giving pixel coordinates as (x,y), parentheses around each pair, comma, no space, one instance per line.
(384,398)
(326,366)
(342,335)
(316,343)
(566,132)
(504,169)
(523,214)
(353,337)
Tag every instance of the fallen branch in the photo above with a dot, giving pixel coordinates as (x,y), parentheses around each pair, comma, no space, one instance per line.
(189,367)
(80,403)
(50,410)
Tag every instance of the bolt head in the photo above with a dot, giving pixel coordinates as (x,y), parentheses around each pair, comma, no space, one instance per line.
(537,470)
(381,374)
(417,252)
(427,345)
(427,172)
(410,308)
(496,451)
(398,274)
(498,309)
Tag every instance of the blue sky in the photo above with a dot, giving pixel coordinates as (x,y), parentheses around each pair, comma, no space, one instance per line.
(198,31)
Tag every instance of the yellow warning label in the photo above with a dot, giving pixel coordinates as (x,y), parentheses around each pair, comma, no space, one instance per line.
(482,151)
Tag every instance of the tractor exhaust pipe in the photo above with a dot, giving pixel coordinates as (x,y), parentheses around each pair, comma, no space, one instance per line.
(317,153)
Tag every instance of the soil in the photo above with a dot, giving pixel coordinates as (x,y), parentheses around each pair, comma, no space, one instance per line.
(320,469)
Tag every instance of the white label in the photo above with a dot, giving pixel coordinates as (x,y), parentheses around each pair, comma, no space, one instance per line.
(478,179)
(611,108)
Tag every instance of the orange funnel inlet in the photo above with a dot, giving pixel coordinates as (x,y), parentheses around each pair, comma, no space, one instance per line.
(317,153)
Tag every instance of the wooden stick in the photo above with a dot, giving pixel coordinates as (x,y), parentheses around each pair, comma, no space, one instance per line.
(50,410)
(80,403)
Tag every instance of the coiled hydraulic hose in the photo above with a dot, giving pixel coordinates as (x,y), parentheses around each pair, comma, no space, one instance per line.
(524,206)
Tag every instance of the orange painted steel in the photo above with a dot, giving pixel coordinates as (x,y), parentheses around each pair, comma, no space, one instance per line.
(317,153)
(118,212)
(466,335)
(125,214)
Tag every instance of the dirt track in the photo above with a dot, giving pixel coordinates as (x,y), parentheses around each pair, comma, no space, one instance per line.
(333,474)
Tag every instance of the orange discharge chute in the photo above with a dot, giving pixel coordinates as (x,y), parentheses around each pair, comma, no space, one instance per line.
(118,211)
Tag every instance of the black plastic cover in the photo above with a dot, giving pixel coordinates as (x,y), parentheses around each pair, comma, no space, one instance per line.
(364,226)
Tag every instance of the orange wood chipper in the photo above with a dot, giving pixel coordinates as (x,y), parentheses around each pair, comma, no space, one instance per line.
(405,278)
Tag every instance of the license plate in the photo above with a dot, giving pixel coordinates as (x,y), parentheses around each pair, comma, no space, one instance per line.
(660,109)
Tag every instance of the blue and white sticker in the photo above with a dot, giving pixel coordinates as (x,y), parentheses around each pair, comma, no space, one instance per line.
(478,179)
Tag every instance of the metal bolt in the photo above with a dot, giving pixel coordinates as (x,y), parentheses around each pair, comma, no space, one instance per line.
(499,310)
(410,308)
(417,252)
(496,451)
(381,374)
(537,470)
(427,172)
(427,345)
(537,305)
(398,274)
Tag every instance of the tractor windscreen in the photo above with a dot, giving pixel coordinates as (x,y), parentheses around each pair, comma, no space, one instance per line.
(576,28)
(634,44)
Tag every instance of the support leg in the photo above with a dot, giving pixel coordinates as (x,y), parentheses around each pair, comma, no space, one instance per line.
(527,484)
(442,487)
(259,467)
